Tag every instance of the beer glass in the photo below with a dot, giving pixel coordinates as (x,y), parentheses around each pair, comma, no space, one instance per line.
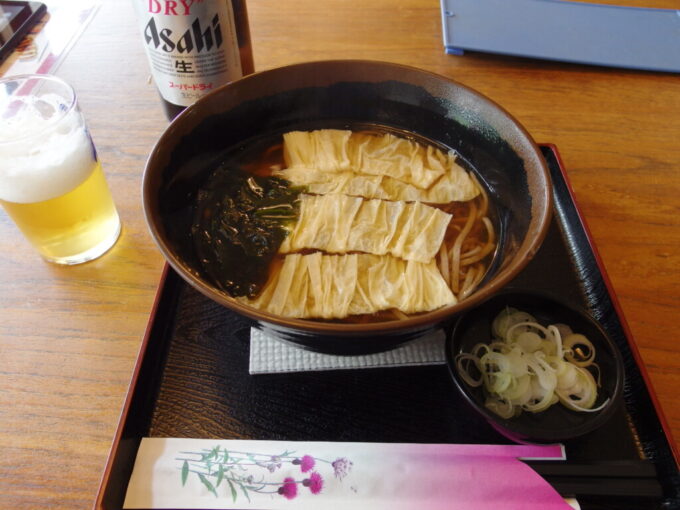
(51,183)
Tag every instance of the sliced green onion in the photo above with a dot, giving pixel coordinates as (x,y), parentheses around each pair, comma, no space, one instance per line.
(531,367)
(580,350)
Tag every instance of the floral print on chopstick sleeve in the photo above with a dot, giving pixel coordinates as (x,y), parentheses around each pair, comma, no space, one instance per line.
(244,473)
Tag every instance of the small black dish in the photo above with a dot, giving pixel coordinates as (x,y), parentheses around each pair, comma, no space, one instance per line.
(556,423)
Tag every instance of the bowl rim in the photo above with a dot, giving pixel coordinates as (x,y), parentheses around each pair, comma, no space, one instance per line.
(510,427)
(526,251)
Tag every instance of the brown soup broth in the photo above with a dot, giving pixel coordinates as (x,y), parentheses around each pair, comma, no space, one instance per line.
(263,156)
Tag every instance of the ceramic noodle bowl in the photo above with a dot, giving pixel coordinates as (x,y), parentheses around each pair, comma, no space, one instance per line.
(350,95)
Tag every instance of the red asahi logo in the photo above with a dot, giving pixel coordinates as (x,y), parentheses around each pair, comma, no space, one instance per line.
(171,7)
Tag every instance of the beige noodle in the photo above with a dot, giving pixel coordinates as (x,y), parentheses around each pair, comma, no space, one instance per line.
(467,282)
(444,264)
(478,253)
(485,198)
(475,282)
(456,248)
(471,253)
(399,314)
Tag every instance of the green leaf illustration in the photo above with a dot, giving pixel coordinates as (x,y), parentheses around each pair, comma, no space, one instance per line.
(233,489)
(220,476)
(207,483)
(185,472)
(245,492)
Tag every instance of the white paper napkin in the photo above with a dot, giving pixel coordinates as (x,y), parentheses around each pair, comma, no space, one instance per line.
(270,355)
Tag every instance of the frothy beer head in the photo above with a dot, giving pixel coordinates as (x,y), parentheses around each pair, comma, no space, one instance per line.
(45,149)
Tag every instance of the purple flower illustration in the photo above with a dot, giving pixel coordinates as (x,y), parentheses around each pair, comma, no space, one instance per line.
(314,482)
(254,472)
(289,489)
(341,467)
(269,466)
(306,463)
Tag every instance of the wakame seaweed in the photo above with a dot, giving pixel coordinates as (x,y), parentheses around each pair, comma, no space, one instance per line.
(239,223)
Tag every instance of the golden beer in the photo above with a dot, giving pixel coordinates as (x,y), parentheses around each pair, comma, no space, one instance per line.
(51,183)
(80,224)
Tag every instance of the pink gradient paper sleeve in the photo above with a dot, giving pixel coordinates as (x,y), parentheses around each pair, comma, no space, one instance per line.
(271,475)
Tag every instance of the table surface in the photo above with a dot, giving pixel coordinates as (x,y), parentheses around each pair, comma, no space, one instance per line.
(69,336)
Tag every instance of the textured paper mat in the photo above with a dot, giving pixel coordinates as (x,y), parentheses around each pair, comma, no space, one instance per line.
(270,355)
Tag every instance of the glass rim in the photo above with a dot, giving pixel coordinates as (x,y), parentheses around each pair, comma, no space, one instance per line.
(51,123)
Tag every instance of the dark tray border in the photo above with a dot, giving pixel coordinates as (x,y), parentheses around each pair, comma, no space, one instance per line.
(632,346)
(142,392)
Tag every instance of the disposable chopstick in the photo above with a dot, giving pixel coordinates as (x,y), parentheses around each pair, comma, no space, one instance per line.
(607,478)
(609,469)
(610,487)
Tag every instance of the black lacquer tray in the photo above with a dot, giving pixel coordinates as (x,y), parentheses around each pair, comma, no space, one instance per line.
(192,380)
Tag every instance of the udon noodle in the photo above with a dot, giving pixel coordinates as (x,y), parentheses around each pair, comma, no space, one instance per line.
(384,226)
(469,242)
